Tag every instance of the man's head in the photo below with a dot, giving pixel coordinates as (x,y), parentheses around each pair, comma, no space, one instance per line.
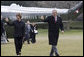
(54,12)
(33,23)
(18,16)
(28,22)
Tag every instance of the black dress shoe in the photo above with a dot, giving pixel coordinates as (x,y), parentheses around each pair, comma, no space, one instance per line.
(51,55)
(28,43)
(20,53)
(57,55)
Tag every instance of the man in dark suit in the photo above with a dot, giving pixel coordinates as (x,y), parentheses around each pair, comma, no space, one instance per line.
(19,32)
(54,23)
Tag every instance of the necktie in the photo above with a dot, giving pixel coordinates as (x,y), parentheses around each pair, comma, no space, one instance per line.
(55,19)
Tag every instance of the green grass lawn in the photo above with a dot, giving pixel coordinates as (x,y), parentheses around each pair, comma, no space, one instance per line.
(70,44)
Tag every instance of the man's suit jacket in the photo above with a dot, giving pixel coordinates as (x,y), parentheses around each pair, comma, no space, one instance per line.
(53,29)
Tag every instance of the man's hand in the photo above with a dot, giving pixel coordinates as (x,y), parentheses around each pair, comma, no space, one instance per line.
(62,32)
(42,17)
(6,20)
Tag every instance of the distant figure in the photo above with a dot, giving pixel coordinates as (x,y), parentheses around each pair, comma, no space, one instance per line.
(33,32)
(19,32)
(55,23)
(2,26)
(4,38)
(27,32)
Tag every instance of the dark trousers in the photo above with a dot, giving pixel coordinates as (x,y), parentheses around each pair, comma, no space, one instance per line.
(18,44)
(54,49)
(33,38)
(27,37)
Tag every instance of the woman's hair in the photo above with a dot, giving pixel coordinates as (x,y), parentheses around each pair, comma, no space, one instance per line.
(19,14)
